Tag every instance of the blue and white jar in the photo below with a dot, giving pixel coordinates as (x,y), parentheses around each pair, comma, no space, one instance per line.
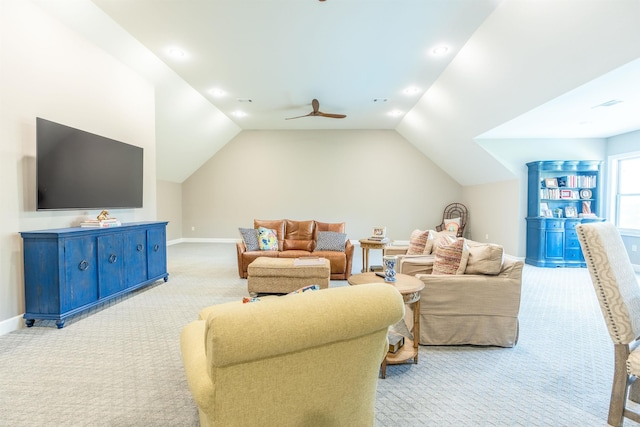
(389,262)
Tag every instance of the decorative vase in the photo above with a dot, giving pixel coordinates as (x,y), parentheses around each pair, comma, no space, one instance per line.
(389,262)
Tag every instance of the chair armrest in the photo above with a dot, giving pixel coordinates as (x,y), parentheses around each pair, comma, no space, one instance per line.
(395,250)
(195,363)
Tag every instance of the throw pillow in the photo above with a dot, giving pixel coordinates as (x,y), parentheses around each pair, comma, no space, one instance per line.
(431,238)
(331,241)
(451,259)
(250,238)
(442,238)
(452,225)
(417,242)
(484,258)
(267,239)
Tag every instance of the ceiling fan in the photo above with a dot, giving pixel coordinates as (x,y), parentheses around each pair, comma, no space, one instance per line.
(316,105)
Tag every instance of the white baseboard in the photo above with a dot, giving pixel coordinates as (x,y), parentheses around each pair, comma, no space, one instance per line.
(12,324)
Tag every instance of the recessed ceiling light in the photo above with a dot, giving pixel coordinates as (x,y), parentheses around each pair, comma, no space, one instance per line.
(440,50)
(412,90)
(238,113)
(176,53)
(395,113)
(217,92)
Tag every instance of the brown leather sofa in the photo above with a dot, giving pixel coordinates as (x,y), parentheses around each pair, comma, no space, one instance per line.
(297,239)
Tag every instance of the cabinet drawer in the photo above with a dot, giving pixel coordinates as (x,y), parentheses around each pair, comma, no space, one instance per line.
(554,224)
(573,255)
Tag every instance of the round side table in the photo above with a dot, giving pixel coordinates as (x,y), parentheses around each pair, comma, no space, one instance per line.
(367,244)
(410,288)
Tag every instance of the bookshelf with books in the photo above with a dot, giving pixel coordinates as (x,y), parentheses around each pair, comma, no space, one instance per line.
(561,195)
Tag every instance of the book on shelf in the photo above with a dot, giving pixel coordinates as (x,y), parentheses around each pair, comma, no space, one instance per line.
(396,341)
(104,223)
(379,239)
(308,260)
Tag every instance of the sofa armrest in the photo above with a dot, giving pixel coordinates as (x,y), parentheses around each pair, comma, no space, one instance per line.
(348,251)
(240,249)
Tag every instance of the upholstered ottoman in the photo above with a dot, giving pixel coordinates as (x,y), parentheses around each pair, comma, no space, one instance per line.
(280,275)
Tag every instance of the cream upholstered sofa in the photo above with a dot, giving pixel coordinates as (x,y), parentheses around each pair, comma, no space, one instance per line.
(479,306)
(308,359)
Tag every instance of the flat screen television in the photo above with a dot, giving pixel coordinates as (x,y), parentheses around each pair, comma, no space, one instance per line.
(80,170)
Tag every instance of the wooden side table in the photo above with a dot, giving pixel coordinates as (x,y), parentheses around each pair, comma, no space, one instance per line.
(367,244)
(410,288)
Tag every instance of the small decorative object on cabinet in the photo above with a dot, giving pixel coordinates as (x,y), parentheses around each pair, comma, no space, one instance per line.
(69,270)
(569,187)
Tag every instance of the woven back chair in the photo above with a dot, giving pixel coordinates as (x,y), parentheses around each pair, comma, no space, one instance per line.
(618,293)
(453,211)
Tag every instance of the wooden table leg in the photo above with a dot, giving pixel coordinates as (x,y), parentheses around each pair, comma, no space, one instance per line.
(416,329)
(365,260)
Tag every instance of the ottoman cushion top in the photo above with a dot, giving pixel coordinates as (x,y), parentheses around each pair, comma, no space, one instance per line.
(284,267)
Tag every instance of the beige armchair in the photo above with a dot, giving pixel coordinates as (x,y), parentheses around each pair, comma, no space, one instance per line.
(306,359)
(616,286)
(479,307)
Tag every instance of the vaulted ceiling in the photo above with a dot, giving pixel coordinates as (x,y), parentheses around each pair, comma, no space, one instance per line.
(513,69)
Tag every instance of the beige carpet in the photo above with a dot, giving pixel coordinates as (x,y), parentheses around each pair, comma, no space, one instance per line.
(120,365)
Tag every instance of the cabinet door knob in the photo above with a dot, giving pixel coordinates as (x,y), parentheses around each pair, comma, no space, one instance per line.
(156,247)
(84,264)
(139,247)
(113,258)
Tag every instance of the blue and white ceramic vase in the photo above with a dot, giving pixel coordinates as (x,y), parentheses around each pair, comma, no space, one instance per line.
(389,262)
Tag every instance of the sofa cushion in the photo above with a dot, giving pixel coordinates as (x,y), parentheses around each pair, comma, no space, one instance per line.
(331,241)
(451,258)
(299,235)
(484,258)
(338,227)
(417,242)
(250,238)
(267,239)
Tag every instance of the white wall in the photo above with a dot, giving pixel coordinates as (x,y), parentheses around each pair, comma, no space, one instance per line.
(364,178)
(49,71)
(625,143)
(170,208)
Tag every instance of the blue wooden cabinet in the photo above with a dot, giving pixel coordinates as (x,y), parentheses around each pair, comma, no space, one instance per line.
(561,195)
(69,270)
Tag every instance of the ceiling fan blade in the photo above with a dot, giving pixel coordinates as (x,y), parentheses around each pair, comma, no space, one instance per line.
(333,116)
(297,117)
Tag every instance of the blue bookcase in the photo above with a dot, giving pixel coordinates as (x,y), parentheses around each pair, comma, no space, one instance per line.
(69,270)
(561,195)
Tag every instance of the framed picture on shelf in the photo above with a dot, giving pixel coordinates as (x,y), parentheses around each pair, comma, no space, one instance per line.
(551,182)
(566,194)
(379,232)
(570,212)
(546,213)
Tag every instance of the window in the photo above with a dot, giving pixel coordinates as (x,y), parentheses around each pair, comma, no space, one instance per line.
(625,207)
